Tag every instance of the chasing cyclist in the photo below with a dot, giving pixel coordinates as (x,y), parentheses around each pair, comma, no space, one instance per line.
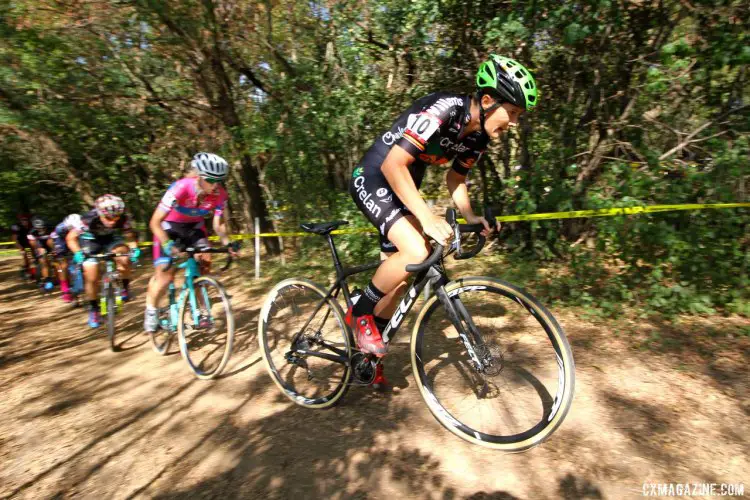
(20,232)
(60,250)
(434,130)
(106,228)
(179,222)
(39,238)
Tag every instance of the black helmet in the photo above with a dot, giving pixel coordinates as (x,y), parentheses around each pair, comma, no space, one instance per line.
(38,223)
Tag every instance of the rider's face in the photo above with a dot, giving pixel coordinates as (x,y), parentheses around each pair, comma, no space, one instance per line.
(207,187)
(109,222)
(500,119)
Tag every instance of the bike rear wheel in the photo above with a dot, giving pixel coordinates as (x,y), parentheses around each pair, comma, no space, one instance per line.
(524,386)
(206,334)
(308,380)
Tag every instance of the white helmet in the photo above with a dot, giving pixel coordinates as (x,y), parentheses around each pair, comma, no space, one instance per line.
(210,166)
(109,206)
(72,221)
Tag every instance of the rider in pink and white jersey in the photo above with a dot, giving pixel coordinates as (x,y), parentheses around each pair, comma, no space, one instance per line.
(179,222)
(186,206)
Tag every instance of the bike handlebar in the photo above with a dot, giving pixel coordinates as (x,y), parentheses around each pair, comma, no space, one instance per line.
(193,250)
(437,251)
(106,255)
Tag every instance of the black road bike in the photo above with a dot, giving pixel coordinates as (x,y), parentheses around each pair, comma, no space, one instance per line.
(491,362)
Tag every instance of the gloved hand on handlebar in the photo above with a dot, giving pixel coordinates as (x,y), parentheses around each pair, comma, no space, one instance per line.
(170,249)
(135,254)
(79,257)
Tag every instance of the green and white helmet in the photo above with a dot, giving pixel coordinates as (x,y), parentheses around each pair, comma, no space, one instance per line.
(507,80)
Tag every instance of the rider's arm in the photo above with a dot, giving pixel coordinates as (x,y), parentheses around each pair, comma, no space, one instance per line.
(72,240)
(396,171)
(460,193)
(155,226)
(131,237)
(220,227)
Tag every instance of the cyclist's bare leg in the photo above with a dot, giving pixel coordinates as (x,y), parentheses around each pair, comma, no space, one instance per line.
(60,263)
(41,254)
(204,261)
(123,263)
(406,235)
(158,284)
(91,279)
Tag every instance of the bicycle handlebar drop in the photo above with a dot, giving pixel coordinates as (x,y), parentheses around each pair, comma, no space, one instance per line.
(459,229)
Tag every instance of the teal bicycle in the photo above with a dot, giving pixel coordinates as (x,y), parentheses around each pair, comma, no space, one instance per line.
(201,316)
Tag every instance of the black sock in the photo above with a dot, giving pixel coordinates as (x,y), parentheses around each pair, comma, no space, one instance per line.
(93,305)
(381,323)
(126,284)
(366,303)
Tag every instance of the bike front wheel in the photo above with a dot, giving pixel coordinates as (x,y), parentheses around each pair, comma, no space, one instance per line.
(111,313)
(305,343)
(161,339)
(522,387)
(205,327)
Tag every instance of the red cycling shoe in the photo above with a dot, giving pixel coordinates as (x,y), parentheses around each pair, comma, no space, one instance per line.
(366,334)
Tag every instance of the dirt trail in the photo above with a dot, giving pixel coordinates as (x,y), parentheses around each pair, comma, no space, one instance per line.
(80,421)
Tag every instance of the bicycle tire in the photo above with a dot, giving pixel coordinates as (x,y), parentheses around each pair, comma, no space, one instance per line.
(161,339)
(266,328)
(552,414)
(111,314)
(184,343)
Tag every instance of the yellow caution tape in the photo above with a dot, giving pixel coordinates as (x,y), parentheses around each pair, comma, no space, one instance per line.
(603,212)
(609,212)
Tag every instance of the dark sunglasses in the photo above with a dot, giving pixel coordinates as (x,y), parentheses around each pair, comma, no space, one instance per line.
(213,181)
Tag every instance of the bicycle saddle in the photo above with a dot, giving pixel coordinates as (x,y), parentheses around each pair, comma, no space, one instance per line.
(322,227)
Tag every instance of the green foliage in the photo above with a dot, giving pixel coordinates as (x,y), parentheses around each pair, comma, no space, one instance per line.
(640,103)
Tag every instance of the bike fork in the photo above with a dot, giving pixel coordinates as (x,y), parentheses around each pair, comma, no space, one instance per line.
(455,318)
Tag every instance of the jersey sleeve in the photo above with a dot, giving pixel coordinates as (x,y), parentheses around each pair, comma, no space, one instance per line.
(423,126)
(465,161)
(82,223)
(169,200)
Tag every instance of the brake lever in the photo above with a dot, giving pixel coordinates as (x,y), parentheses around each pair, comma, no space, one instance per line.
(450,218)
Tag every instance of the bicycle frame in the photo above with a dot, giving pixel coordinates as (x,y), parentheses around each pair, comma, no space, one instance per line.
(435,275)
(110,276)
(192,271)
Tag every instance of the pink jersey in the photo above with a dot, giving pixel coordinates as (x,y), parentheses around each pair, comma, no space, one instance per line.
(182,203)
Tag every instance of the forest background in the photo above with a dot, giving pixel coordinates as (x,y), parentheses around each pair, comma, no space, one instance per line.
(641,102)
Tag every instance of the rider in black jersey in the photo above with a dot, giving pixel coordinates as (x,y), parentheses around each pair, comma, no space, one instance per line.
(435,130)
(106,228)
(20,233)
(39,237)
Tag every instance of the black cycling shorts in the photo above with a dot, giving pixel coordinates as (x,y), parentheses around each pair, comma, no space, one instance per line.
(99,244)
(377,201)
(184,234)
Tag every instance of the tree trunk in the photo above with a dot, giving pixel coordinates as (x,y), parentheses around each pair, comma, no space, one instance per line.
(251,178)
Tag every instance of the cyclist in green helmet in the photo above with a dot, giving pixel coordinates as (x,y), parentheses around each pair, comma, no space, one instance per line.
(436,129)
